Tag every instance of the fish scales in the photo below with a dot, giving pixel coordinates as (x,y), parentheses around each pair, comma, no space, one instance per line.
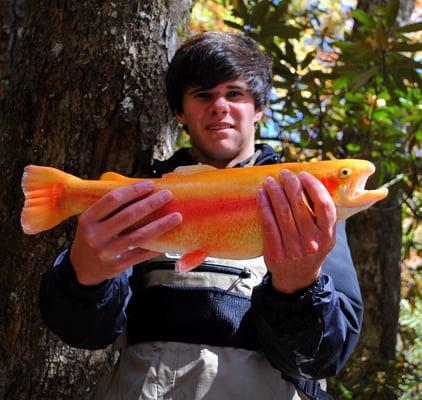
(218,206)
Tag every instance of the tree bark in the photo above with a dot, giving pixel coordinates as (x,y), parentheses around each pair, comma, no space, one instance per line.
(86,95)
(375,238)
(11,20)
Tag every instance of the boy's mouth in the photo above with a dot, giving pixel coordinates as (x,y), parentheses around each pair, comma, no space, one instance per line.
(219,126)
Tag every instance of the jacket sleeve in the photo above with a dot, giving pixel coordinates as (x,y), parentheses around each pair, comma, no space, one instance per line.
(311,334)
(86,317)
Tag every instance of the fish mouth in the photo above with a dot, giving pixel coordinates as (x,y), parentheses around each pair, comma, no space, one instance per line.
(357,195)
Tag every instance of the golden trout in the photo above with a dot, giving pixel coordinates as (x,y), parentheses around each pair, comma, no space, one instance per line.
(218,205)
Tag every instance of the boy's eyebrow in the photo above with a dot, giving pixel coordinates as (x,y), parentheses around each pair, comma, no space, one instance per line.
(241,87)
(195,89)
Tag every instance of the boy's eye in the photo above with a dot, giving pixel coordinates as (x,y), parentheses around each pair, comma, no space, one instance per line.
(234,93)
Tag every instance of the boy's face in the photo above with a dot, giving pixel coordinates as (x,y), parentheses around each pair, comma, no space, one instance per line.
(220,122)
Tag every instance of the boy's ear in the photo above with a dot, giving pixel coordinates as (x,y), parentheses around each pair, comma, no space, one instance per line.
(258,114)
(180,116)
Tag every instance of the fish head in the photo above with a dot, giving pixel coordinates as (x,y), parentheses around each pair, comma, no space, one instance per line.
(346,182)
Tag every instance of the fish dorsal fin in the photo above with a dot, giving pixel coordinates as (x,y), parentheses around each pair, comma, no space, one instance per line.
(114,176)
(191,169)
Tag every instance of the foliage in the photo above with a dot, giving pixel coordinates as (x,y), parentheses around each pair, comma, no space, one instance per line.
(209,16)
(343,92)
(367,379)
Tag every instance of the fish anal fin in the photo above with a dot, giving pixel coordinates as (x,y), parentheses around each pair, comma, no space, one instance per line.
(189,261)
(191,169)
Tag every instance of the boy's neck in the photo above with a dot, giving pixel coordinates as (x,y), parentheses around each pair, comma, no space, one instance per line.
(198,158)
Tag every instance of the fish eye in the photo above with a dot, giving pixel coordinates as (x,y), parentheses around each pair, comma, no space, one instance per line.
(345,172)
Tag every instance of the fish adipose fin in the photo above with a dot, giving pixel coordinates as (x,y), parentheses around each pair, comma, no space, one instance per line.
(43,190)
(190,261)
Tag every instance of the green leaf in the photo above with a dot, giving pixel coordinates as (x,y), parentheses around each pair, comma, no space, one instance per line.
(242,10)
(355,97)
(382,115)
(283,71)
(301,106)
(308,59)
(406,103)
(291,55)
(398,79)
(403,63)
(404,46)
(282,85)
(343,44)
(341,83)
(259,12)
(355,50)
(353,147)
(363,17)
(410,28)
(280,30)
(234,25)
(279,14)
(411,118)
(392,90)
(362,78)
(381,36)
(276,53)
(412,76)
(310,76)
(392,11)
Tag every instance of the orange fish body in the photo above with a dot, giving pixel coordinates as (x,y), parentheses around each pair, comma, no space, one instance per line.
(218,205)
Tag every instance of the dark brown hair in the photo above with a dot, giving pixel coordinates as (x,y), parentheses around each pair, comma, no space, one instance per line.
(211,58)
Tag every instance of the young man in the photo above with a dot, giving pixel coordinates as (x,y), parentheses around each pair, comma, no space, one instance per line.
(263,328)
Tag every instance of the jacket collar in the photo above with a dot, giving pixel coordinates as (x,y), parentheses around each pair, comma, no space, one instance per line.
(264,154)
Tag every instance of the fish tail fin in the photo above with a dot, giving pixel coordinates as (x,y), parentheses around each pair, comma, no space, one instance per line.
(43,190)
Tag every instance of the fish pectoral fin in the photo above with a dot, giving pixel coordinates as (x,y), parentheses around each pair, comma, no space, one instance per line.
(191,169)
(307,202)
(189,261)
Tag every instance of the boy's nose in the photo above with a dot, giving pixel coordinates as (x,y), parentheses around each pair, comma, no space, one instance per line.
(220,106)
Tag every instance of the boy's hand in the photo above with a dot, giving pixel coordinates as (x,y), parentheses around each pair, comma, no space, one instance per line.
(295,242)
(102,249)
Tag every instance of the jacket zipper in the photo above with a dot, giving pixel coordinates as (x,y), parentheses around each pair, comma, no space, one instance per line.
(204,267)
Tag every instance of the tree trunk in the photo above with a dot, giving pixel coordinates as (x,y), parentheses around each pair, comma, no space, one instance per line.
(86,95)
(11,19)
(375,238)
